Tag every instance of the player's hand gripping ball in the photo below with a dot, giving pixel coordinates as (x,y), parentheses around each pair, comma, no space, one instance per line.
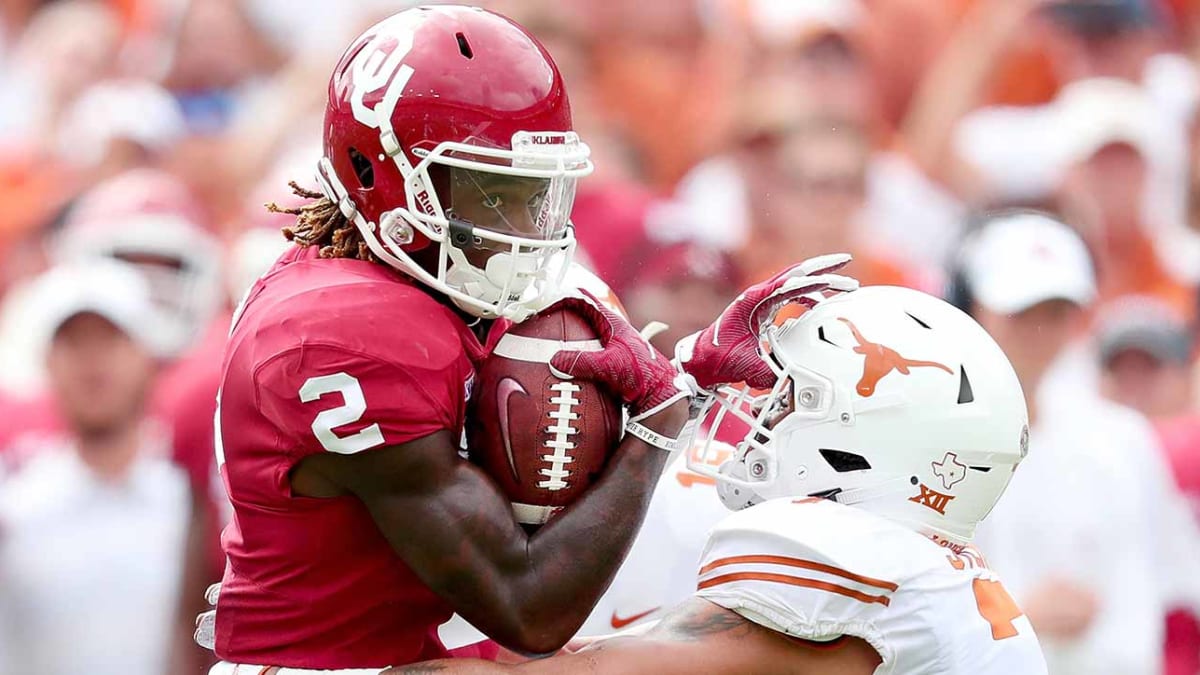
(543,439)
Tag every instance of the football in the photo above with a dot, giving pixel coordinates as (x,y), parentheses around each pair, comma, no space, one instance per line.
(543,439)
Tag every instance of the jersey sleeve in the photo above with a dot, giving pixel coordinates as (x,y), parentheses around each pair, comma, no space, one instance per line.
(330,398)
(786,565)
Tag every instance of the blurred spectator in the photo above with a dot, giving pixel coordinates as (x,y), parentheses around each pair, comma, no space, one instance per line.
(33,190)
(813,171)
(641,53)
(1103,38)
(94,525)
(683,286)
(220,59)
(67,46)
(217,50)
(145,217)
(1094,574)
(1176,232)
(818,48)
(1145,351)
(1006,153)
(796,186)
(804,172)
(63,48)
(150,220)
(119,125)
(1109,145)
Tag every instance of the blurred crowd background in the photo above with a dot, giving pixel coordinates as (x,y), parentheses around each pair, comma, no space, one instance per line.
(1039,160)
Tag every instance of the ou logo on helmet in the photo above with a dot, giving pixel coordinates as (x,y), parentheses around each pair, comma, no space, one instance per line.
(378,65)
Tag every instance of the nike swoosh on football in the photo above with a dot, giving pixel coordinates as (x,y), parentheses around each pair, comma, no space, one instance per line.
(504,390)
(619,622)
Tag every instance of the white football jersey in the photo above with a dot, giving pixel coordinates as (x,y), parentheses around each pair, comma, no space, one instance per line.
(817,570)
(660,570)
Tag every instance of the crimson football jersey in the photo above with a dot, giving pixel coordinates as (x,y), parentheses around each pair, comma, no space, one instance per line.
(329,355)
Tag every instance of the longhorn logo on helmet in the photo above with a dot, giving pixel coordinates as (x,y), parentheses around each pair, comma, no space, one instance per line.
(881,361)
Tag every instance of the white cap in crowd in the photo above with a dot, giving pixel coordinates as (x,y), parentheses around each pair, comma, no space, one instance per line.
(1019,260)
(1096,112)
(134,110)
(110,289)
(790,23)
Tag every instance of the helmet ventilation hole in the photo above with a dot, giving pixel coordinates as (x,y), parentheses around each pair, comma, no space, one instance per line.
(842,461)
(362,168)
(464,47)
(965,393)
(920,323)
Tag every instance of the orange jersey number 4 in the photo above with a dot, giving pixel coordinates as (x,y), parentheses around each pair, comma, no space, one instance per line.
(997,607)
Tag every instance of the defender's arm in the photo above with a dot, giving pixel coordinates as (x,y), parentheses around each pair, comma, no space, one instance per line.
(697,637)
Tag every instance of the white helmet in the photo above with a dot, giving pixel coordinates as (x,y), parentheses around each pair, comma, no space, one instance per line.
(150,219)
(888,399)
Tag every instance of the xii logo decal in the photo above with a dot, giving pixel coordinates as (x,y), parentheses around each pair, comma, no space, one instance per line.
(932,498)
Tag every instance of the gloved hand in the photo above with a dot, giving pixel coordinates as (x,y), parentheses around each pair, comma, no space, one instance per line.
(728,350)
(627,365)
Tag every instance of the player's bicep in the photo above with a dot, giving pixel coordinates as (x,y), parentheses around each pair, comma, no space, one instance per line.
(446,519)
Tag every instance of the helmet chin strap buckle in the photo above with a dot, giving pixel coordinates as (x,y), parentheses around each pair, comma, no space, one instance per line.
(830,494)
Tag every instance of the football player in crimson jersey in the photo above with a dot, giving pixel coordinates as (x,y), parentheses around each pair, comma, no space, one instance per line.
(447,180)
(893,428)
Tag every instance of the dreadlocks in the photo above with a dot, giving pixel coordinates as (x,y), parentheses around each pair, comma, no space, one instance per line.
(321,223)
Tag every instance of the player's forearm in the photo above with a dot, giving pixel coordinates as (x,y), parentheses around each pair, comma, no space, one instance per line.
(558,591)
(456,666)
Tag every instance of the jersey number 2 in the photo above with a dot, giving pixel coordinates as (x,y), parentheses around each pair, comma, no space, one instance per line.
(352,409)
(997,607)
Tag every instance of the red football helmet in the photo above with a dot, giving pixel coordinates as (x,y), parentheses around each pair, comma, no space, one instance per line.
(449,127)
(152,220)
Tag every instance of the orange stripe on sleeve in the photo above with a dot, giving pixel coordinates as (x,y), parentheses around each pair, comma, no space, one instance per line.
(797,562)
(794,581)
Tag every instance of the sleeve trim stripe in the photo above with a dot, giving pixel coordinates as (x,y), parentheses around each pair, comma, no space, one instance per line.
(797,562)
(794,581)
(539,350)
